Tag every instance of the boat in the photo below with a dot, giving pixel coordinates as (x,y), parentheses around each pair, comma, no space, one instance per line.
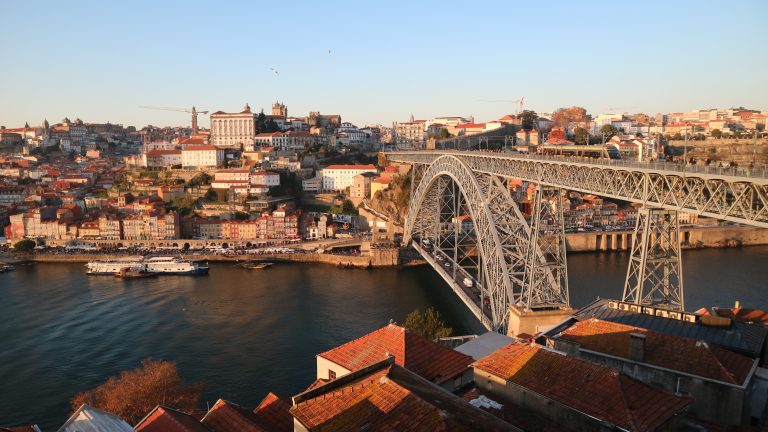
(111,267)
(173,266)
(6,268)
(256,266)
(134,274)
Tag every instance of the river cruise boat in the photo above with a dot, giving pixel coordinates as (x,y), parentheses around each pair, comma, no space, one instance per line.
(112,267)
(173,266)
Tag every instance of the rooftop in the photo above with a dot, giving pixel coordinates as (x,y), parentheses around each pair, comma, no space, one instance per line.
(740,337)
(164,419)
(351,167)
(597,391)
(428,359)
(663,350)
(386,397)
(89,419)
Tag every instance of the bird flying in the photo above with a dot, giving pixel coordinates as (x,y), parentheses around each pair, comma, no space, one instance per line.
(275,71)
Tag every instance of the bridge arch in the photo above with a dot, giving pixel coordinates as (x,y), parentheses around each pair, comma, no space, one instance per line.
(502,232)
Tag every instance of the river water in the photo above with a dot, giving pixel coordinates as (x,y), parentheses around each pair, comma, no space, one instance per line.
(245,333)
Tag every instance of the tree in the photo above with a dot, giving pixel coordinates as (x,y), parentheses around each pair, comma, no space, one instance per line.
(609,130)
(581,135)
(134,393)
(444,133)
(24,245)
(565,117)
(427,324)
(261,122)
(677,136)
(528,119)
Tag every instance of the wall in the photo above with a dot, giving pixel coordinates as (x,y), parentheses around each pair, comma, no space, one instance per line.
(694,237)
(324,365)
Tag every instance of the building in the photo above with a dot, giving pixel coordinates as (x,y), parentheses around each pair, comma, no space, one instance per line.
(271,415)
(312,185)
(340,177)
(443,366)
(719,381)
(164,419)
(201,156)
(233,129)
(90,419)
(163,158)
(574,392)
(361,185)
(380,184)
(413,130)
(387,397)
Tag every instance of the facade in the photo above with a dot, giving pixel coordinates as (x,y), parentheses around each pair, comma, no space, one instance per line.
(163,158)
(361,185)
(233,129)
(340,177)
(201,156)
(413,130)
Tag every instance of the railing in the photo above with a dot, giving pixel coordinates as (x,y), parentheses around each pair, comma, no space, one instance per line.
(746,172)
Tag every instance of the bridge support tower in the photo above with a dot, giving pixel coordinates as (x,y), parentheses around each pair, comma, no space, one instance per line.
(655,273)
(545,299)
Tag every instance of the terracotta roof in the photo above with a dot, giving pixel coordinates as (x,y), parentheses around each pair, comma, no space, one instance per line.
(273,413)
(663,350)
(428,359)
(192,141)
(200,148)
(744,315)
(226,416)
(389,398)
(598,391)
(163,152)
(163,419)
(351,167)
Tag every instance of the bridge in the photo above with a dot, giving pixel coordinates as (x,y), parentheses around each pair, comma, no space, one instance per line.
(463,220)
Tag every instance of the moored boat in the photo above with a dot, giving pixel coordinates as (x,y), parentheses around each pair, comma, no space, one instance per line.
(256,266)
(134,274)
(174,266)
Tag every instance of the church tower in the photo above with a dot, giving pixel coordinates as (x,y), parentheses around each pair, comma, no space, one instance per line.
(279,109)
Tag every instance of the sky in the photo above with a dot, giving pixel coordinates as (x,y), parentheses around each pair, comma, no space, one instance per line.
(101,61)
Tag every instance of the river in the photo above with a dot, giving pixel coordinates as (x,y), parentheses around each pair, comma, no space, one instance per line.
(245,333)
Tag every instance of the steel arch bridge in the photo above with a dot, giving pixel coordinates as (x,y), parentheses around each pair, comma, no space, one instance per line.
(464,222)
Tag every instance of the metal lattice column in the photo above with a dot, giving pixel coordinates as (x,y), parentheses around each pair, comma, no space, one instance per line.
(546,268)
(655,273)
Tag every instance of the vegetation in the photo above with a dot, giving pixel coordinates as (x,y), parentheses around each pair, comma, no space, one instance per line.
(24,245)
(609,130)
(200,179)
(444,133)
(528,119)
(565,117)
(580,136)
(184,205)
(427,324)
(346,207)
(136,392)
(716,133)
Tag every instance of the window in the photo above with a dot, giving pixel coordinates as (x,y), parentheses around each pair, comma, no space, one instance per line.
(331,374)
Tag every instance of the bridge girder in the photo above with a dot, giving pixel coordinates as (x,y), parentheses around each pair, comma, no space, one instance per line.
(503,235)
(712,194)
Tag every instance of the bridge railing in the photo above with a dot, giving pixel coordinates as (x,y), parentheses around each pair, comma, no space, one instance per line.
(756,172)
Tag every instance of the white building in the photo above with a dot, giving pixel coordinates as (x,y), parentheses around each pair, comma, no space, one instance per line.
(233,129)
(163,158)
(340,177)
(233,175)
(265,178)
(312,185)
(201,156)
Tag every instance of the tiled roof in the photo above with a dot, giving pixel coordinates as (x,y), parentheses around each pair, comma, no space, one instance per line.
(598,391)
(163,419)
(273,413)
(200,148)
(226,416)
(351,167)
(89,419)
(740,337)
(389,398)
(668,351)
(744,315)
(428,359)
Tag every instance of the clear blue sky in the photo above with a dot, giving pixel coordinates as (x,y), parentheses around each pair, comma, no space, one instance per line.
(101,60)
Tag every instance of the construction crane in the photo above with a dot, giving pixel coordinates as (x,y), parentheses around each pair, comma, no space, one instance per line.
(193,111)
(519,103)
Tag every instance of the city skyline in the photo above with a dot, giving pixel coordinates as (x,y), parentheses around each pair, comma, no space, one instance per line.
(103,62)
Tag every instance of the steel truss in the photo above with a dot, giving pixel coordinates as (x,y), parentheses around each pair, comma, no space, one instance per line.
(655,273)
(713,194)
(493,254)
(546,269)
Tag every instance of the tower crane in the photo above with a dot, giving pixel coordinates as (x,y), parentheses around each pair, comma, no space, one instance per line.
(193,111)
(519,103)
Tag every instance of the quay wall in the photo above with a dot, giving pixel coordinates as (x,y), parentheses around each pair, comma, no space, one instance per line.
(693,238)
(377,258)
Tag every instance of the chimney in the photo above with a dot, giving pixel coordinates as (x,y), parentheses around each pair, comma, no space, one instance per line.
(637,346)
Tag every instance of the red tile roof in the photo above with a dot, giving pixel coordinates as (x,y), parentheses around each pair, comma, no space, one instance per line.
(226,416)
(163,419)
(389,398)
(598,391)
(663,350)
(744,315)
(192,141)
(273,413)
(200,148)
(428,359)
(352,167)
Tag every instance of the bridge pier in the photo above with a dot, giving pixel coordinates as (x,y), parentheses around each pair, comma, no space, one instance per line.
(655,272)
